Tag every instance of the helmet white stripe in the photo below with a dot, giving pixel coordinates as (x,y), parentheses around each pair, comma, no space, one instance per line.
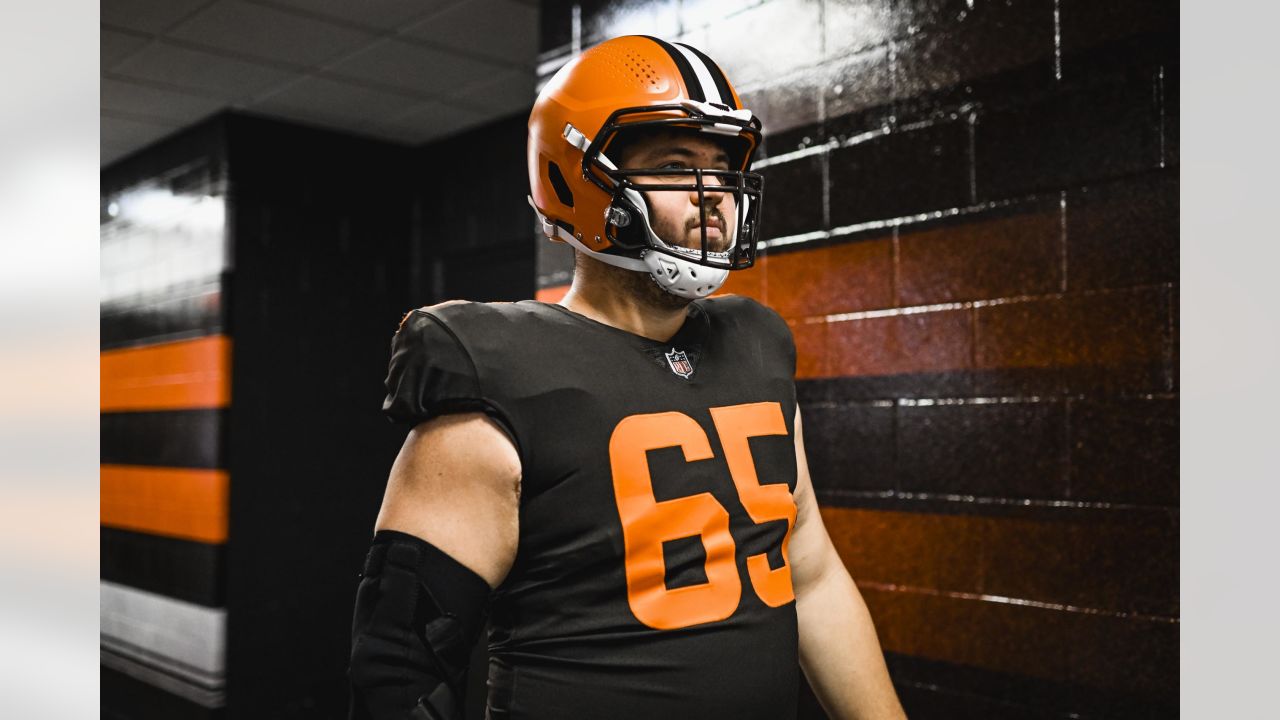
(704,75)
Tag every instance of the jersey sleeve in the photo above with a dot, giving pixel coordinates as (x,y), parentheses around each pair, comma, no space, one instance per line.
(431,374)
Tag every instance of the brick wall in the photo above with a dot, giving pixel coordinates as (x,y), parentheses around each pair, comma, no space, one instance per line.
(971,225)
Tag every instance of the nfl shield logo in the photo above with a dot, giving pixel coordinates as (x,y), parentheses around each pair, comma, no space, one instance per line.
(679,363)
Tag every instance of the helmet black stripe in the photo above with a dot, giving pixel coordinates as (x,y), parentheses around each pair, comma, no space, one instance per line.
(717,76)
(686,70)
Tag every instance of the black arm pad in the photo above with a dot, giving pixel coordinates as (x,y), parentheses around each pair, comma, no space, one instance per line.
(417,616)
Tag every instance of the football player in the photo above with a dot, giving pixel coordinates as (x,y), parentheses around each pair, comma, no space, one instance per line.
(616,483)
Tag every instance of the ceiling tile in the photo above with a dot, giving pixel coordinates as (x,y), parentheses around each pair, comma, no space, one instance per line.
(161,105)
(426,122)
(413,67)
(149,16)
(202,72)
(334,102)
(115,46)
(124,136)
(508,92)
(263,32)
(385,14)
(111,152)
(495,28)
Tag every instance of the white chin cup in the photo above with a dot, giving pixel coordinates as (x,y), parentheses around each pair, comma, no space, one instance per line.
(682,277)
(677,276)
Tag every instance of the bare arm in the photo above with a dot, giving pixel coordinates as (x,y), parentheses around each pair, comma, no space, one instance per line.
(839,651)
(456,484)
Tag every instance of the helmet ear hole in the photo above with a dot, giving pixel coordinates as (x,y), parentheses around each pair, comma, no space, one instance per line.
(633,233)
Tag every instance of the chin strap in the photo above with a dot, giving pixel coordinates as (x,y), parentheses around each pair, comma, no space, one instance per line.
(680,277)
(552,230)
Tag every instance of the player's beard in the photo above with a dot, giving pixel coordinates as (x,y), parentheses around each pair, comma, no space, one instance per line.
(643,284)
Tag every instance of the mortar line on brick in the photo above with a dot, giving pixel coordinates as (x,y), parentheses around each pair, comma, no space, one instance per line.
(822,34)
(998,501)
(826,164)
(1163,112)
(1168,339)
(819,149)
(576,28)
(895,431)
(992,400)
(1062,238)
(895,277)
(968,304)
(892,56)
(1067,450)
(888,312)
(1006,600)
(1057,40)
(973,339)
(889,223)
(973,157)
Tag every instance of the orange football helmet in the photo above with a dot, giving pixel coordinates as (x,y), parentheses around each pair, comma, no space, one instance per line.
(583,198)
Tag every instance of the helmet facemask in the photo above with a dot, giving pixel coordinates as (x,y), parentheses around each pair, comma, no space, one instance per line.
(629,222)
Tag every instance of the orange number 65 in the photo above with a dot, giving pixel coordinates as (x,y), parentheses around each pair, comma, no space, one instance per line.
(647,523)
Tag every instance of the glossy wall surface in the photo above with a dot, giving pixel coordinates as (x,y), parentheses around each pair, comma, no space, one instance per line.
(225,599)
(971,224)
(165,395)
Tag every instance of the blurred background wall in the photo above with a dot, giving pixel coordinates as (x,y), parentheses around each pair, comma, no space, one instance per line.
(971,225)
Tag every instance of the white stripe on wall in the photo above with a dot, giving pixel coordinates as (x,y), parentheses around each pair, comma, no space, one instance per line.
(182,638)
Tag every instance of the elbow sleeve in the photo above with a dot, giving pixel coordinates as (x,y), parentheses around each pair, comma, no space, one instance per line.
(418,613)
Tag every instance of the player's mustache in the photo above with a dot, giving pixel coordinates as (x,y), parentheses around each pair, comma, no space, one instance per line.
(710,214)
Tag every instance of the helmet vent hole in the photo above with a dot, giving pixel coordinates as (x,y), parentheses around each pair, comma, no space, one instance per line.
(563,193)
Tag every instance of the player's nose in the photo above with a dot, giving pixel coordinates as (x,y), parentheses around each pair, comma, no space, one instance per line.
(709,194)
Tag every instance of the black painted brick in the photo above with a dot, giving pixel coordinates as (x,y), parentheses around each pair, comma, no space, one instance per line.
(1086,132)
(555,24)
(849,446)
(901,173)
(1089,23)
(991,38)
(793,197)
(191,571)
(1171,98)
(858,93)
(1001,450)
(796,138)
(931,688)
(1125,451)
(862,388)
(1123,233)
(913,16)
(121,697)
(172,438)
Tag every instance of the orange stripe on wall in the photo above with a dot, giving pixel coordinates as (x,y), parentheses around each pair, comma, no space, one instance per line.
(1134,654)
(1091,599)
(1053,559)
(551,294)
(179,375)
(175,502)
